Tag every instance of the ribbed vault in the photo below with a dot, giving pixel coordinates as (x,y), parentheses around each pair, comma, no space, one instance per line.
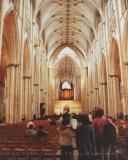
(71,22)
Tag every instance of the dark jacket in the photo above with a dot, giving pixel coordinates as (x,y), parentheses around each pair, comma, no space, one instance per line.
(110,136)
(85,139)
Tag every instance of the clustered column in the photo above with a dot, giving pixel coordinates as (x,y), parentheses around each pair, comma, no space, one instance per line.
(84,90)
(103,96)
(12,94)
(113,95)
(36,99)
(96,95)
(126,89)
(51,94)
(27,97)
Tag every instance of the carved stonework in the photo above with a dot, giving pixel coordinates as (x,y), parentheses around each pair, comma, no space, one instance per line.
(27,18)
(112,26)
(101,37)
(111,19)
(28,25)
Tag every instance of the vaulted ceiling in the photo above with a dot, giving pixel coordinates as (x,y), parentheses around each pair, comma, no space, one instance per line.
(72,22)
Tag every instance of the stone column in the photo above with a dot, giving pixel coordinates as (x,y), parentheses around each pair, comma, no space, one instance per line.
(125,90)
(101,100)
(30,98)
(36,99)
(77,88)
(11,99)
(41,95)
(51,91)
(96,90)
(114,96)
(91,100)
(41,86)
(26,108)
(104,97)
(84,90)
(16,94)
(1,23)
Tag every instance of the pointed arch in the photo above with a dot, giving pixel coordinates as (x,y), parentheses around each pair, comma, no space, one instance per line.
(114,61)
(75,49)
(10,55)
(11,34)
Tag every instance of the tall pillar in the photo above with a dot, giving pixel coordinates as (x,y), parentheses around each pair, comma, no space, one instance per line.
(41,95)
(101,102)
(51,91)
(11,99)
(104,97)
(16,94)
(36,100)
(84,89)
(1,23)
(91,101)
(114,96)
(96,91)
(125,90)
(26,108)
(30,98)
(77,88)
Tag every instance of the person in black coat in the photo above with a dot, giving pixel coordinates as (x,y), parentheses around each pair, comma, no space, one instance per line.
(85,139)
(110,140)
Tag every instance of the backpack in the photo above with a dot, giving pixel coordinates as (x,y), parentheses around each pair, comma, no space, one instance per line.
(109,134)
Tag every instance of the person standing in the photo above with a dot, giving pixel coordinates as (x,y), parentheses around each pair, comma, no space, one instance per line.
(65,138)
(85,139)
(98,124)
(110,140)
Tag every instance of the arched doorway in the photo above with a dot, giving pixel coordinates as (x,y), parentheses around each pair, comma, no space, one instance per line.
(26,107)
(66,77)
(9,70)
(114,81)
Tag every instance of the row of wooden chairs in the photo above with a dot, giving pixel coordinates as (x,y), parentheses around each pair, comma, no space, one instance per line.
(14,145)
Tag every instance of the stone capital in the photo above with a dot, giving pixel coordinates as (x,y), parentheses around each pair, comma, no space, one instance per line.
(36,84)
(12,65)
(103,83)
(27,77)
(125,63)
(96,88)
(113,75)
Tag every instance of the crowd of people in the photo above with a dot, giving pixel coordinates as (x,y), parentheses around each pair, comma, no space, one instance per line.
(96,136)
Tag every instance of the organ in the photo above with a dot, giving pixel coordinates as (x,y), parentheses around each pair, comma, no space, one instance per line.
(66,94)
